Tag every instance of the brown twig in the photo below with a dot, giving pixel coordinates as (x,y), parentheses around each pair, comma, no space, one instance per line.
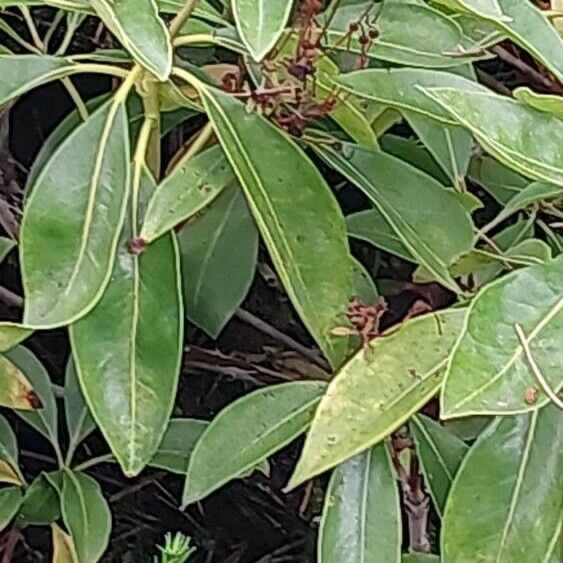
(537,77)
(276,334)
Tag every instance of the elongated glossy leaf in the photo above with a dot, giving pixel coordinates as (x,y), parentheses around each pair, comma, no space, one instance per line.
(509,484)
(430,223)
(362,517)
(373,394)
(397,88)
(138,27)
(450,146)
(72,220)
(86,515)
(11,334)
(10,501)
(488,372)
(544,102)
(79,421)
(186,192)
(261,23)
(179,440)
(138,323)
(440,452)
(63,548)
(16,392)
(408,33)
(224,240)
(248,431)
(525,139)
(21,73)
(8,443)
(296,213)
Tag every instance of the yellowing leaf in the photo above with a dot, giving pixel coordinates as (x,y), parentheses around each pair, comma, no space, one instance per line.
(7,474)
(63,548)
(16,391)
(375,393)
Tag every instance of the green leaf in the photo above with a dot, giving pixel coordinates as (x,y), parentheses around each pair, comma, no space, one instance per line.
(224,239)
(50,144)
(21,73)
(41,505)
(138,27)
(412,152)
(8,443)
(362,517)
(505,503)
(10,501)
(398,88)
(177,445)
(44,419)
(440,452)
(86,516)
(501,182)
(521,137)
(468,428)
(72,220)
(450,146)
(544,102)
(11,334)
(409,33)
(372,395)
(534,192)
(430,223)
(78,419)
(248,431)
(296,213)
(130,389)
(261,23)
(488,372)
(371,227)
(16,392)
(186,192)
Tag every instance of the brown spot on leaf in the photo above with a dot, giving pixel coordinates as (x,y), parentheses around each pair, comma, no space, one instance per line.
(136,246)
(33,399)
(531,395)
